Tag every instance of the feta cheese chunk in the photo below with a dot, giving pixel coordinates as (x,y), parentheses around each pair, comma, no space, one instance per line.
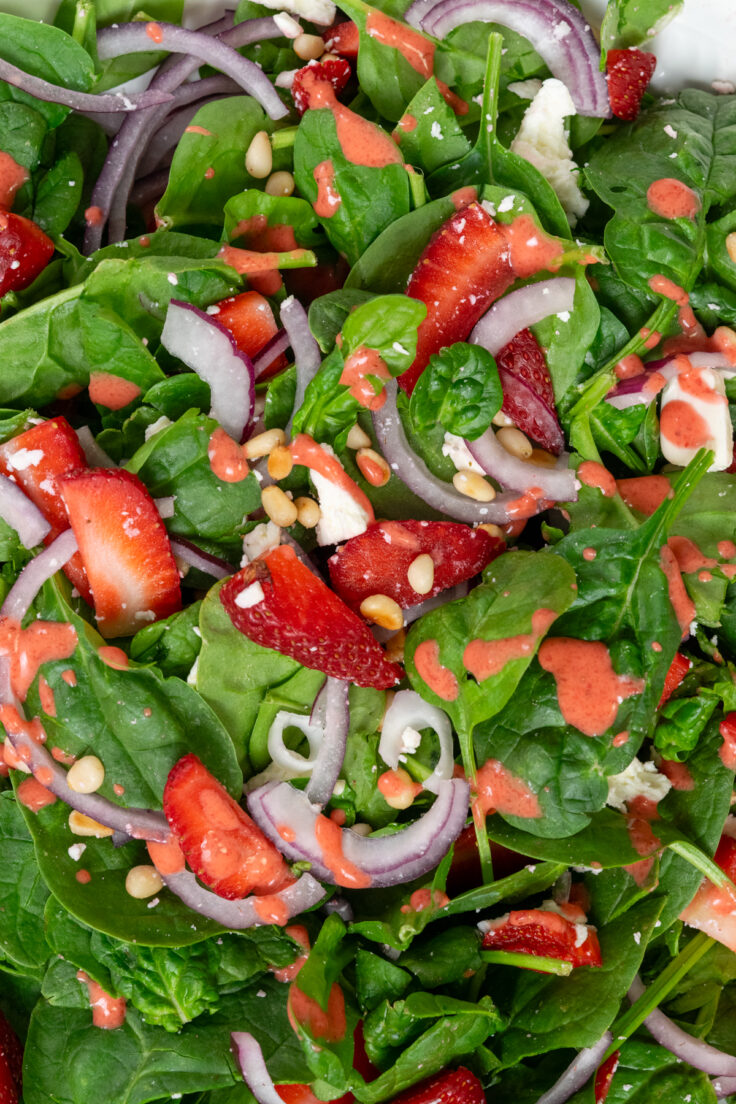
(460,454)
(261,539)
(315,11)
(638,780)
(694,415)
(341,517)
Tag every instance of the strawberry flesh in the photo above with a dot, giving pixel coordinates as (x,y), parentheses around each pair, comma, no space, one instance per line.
(124,547)
(24,251)
(250,320)
(604,1077)
(544,934)
(343,39)
(528,396)
(300,617)
(221,844)
(678,669)
(713,909)
(377,561)
(628,73)
(335,70)
(458,1086)
(11,1063)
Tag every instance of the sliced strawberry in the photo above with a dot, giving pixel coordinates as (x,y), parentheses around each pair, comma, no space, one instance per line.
(343,39)
(678,669)
(377,561)
(24,252)
(124,547)
(335,70)
(36,460)
(250,320)
(458,1086)
(465,266)
(11,1064)
(628,73)
(465,872)
(528,396)
(220,842)
(604,1077)
(713,910)
(545,934)
(295,613)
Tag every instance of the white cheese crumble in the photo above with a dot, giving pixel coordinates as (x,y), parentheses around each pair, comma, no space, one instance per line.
(460,454)
(25,458)
(250,596)
(316,11)
(262,539)
(714,413)
(341,516)
(638,780)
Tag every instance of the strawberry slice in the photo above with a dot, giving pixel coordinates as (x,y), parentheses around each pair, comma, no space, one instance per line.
(11,1062)
(458,1086)
(545,934)
(463,269)
(604,1077)
(377,561)
(124,547)
(678,669)
(335,70)
(24,251)
(250,320)
(628,73)
(343,39)
(528,396)
(713,910)
(280,604)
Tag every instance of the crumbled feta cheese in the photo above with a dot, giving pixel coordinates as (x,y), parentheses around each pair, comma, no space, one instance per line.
(25,458)
(261,539)
(288,26)
(409,740)
(542,141)
(460,454)
(155,427)
(526,89)
(341,516)
(638,780)
(714,412)
(315,11)
(250,596)
(76,851)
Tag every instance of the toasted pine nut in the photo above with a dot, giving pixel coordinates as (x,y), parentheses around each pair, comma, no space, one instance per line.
(502,419)
(263,443)
(279,508)
(421,573)
(81,825)
(280,462)
(358,438)
(383,611)
(259,156)
(308,512)
(308,47)
(279,184)
(373,467)
(86,775)
(731,246)
(493,530)
(330,57)
(515,442)
(143,881)
(395,647)
(398,788)
(474,486)
(361,828)
(543,458)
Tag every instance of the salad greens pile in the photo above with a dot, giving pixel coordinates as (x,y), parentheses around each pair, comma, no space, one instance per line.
(422,994)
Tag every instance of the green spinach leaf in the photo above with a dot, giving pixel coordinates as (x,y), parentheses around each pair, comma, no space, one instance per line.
(460,389)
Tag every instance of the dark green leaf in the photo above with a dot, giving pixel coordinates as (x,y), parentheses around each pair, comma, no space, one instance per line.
(460,388)
(22,895)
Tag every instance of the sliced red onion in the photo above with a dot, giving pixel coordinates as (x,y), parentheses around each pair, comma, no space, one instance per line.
(134,38)
(633,391)
(515,474)
(582,1067)
(342,907)
(96,456)
(205,346)
(34,575)
(21,514)
(684,1046)
(520,309)
(304,894)
(386,860)
(278,344)
(81,101)
(412,471)
(331,711)
(556,30)
(409,710)
(203,561)
(724,1086)
(149,189)
(165,506)
(253,1067)
(306,351)
(299,765)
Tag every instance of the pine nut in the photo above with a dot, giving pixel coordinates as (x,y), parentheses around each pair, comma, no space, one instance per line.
(263,443)
(143,881)
(395,647)
(473,486)
(81,825)
(280,462)
(279,184)
(731,246)
(398,788)
(383,611)
(358,438)
(259,156)
(86,775)
(279,508)
(308,47)
(330,57)
(373,467)
(421,574)
(308,512)
(493,530)
(543,458)
(515,442)
(361,828)
(502,419)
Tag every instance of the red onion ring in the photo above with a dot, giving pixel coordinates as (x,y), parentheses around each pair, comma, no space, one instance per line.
(42,567)
(633,391)
(236,915)
(331,711)
(558,484)
(685,1047)
(96,456)
(520,309)
(409,710)
(724,1086)
(556,30)
(253,1067)
(582,1067)
(306,351)
(21,514)
(205,346)
(82,101)
(386,860)
(278,344)
(203,561)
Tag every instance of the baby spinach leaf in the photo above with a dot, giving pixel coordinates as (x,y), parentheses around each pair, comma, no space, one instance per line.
(649,1074)
(567,337)
(460,389)
(377,979)
(58,194)
(631,22)
(443,959)
(428,134)
(605,841)
(252,210)
(387,324)
(45,51)
(171,645)
(328,313)
(23,895)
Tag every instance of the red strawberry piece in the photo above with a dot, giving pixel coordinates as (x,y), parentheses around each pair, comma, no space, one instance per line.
(458,1086)
(628,72)
(36,460)
(222,845)
(463,269)
(295,613)
(250,320)
(11,1062)
(604,1077)
(678,669)
(343,39)
(528,397)
(335,70)
(544,934)
(465,872)
(713,909)
(124,547)
(24,252)
(377,561)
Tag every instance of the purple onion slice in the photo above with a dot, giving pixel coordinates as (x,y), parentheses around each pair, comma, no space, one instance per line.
(205,346)
(42,567)
(384,860)
(253,1067)
(304,894)
(520,309)
(276,345)
(513,473)
(306,351)
(96,456)
(203,561)
(331,711)
(21,514)
(81,101)
(685,1047)
(409,710)
(582,1067)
